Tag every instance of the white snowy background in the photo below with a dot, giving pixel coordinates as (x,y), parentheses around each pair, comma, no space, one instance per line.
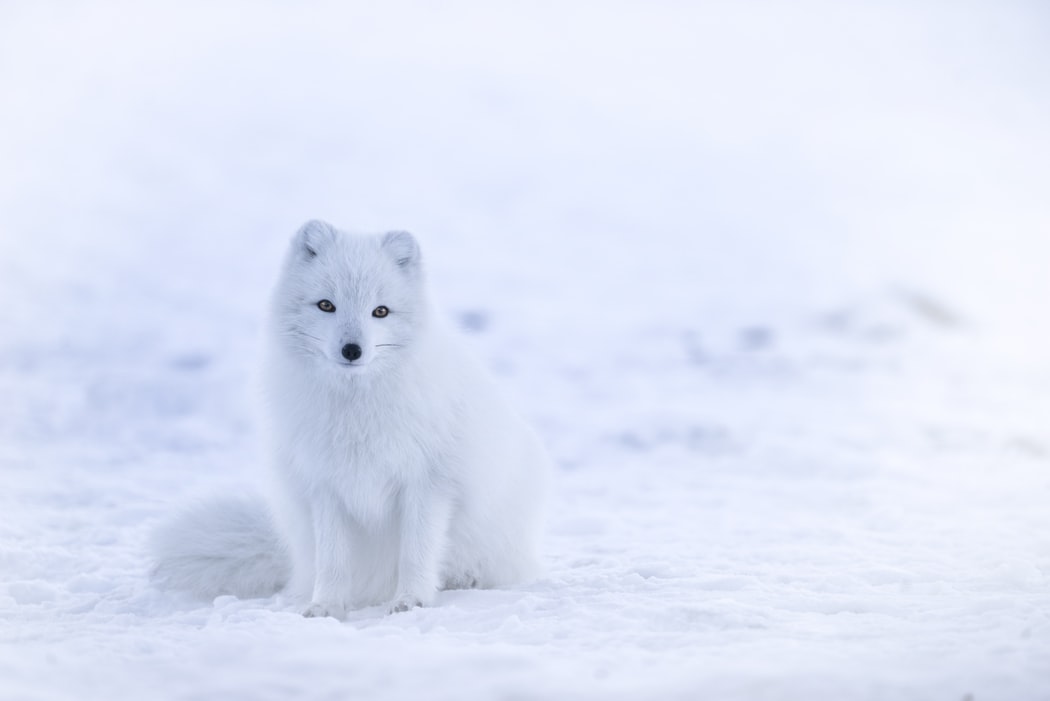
(771,280)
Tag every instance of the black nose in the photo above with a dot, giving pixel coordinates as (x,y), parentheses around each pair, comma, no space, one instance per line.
(351,351)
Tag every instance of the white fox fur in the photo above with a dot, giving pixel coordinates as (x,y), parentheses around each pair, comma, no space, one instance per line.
(399,469)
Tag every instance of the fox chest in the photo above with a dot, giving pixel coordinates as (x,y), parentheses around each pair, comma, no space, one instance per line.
(369,473)
(369,453)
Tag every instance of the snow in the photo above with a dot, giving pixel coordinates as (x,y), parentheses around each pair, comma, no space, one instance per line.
(770,280)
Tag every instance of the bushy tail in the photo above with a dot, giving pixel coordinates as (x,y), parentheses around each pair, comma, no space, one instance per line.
(224,546)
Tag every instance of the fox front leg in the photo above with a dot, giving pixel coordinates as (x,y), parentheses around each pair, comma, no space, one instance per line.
(332,559)
(425,515)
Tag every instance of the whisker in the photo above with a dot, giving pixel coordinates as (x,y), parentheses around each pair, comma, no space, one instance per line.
(299,334)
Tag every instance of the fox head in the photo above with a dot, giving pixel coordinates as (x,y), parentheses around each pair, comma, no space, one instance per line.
(353,301)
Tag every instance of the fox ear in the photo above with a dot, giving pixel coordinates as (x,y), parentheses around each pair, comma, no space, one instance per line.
(312,237)
(402,246)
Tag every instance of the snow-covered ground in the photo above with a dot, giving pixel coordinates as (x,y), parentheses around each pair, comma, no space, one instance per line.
(769,278)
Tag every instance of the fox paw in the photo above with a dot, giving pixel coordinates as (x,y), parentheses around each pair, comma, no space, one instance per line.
(405,604)
(316,610)
(462,581)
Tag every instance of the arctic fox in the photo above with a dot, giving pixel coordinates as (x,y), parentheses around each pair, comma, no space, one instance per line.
(399,470)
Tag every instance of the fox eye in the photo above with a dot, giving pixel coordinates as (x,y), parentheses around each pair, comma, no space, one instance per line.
(325,306)
(380,311)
